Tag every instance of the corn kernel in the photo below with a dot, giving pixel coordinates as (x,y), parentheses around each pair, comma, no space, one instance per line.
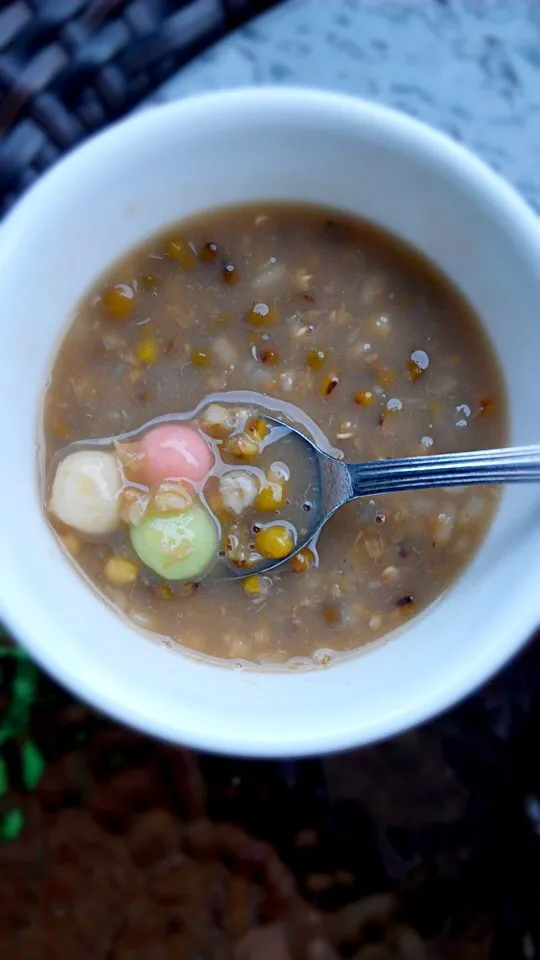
(120,571)
(218,421)
(257,429)
(302,561)
(278,472)
(386,376)
(364,398)
(417,363)
(331,614)
(147,351)
(240,553)
(163,592)
(274,542)
(315,359)
(261,315)
(61,430)
(131,456)
(180,251)
(71,543)
(270,497)
(200,358)
(171,497)
(133,505)
(253,586)
(119,302)
(415,372)
(243,447)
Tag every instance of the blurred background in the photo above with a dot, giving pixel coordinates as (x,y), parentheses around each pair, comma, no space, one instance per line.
(116,847)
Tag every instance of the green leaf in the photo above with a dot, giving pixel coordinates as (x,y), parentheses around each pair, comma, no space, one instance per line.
(23,693)
(4,785)
(11,824)
(16,653)
(33,764)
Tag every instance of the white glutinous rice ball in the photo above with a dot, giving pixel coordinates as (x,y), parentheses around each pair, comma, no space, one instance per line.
(85,492)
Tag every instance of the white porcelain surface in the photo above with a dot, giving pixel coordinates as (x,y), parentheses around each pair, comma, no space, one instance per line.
(173,161)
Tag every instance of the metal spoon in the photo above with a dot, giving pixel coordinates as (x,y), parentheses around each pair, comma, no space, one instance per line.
(336,482)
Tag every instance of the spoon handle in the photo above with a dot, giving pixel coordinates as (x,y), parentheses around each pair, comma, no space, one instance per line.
(512,465)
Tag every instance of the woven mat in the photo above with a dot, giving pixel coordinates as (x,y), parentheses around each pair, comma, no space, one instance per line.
(70,67)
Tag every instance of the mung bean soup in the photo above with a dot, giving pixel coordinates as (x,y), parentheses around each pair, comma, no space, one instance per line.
(162,475)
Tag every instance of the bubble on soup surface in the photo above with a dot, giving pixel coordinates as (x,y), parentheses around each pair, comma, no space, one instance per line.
(175,452)
(85,492)
(177,546)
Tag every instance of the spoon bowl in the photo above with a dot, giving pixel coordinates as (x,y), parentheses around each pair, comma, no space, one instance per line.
(337,482)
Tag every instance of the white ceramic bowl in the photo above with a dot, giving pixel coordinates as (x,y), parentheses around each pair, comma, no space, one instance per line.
(170,162)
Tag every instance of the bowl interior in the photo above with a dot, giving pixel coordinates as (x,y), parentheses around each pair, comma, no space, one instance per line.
(172,162)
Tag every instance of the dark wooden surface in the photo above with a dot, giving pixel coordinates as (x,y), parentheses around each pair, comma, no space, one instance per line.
(441,825)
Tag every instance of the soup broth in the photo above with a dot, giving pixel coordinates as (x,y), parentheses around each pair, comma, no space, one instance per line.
(304,315)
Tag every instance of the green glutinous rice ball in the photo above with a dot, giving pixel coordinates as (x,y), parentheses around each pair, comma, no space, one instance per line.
(178,546)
